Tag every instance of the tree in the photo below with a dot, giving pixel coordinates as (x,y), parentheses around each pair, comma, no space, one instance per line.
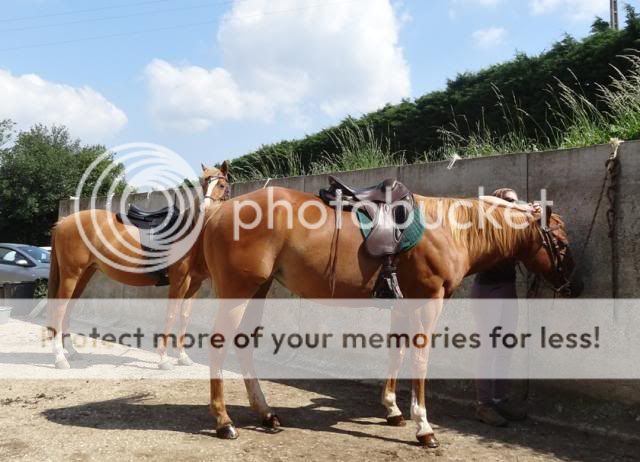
(43,166)
(599,25)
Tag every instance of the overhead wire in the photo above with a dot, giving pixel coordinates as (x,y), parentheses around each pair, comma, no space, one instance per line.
(174,27)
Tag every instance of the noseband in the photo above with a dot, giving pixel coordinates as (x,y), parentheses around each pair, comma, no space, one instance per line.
(226,188)
(556,249)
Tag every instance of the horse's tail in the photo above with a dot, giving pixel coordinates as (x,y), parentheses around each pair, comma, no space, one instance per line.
(54,268)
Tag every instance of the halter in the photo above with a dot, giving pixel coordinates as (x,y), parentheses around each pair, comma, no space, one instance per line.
(226,188)
(555,248)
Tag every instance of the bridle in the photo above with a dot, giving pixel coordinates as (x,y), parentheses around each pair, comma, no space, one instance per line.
(226,187)
(557,251)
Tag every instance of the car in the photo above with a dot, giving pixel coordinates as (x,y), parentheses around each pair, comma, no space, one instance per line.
(23,263)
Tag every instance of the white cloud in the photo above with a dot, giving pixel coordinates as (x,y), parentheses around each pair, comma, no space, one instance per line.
(489,38)
(28,99)
(281,59)
(575,9)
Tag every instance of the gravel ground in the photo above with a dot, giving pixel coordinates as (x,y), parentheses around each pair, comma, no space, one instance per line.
(145,413)
(324,420)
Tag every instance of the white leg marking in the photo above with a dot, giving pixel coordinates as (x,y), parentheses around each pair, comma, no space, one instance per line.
(389,402)
(165,362)
(58,350)
(256,398)
(184,359)
(419,416)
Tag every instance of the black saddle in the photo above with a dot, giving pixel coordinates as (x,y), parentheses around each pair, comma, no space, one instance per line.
(148,219)
(152,224)
(388,205)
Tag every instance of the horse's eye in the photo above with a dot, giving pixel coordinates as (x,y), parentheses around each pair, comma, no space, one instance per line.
(221,186)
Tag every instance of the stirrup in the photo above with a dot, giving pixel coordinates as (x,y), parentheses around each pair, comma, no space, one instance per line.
(387,284)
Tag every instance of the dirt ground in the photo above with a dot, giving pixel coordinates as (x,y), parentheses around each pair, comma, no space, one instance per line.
(324,420)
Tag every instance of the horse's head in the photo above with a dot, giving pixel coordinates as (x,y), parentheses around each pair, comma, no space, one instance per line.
(551,256)
(215,183)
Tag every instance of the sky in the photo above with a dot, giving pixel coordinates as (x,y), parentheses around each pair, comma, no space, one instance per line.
(215,79)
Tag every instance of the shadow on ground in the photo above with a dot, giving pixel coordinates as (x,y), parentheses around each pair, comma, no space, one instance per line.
(340,402)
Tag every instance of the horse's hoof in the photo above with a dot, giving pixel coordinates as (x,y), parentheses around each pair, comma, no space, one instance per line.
(227,432)
(396,421)
(184,360)
(165,365)
(272,422)
(62,364)
(429,440)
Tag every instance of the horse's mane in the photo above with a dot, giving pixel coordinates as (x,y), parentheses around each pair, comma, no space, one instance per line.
(482,236)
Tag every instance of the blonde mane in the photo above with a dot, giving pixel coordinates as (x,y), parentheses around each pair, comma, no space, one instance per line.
(481,236)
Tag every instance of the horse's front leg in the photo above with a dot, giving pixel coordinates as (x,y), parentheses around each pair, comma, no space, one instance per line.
(185,317)
(396,357)
(173,307)
(425,322)
(226,325)
(251,324)
(180,284)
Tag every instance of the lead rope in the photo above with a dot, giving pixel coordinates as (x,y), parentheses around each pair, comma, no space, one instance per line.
(613,171)
(610,177)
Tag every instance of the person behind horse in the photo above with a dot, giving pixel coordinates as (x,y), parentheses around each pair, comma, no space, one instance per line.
(498,283)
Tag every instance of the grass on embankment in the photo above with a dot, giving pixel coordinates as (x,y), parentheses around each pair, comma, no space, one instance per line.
(573,121)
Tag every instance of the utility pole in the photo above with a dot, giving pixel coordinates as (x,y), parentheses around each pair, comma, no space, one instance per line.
(614,14)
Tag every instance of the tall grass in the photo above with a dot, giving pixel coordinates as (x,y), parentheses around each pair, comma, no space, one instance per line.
(574,120)
(464,139)
(357,147)
(273,165)
(616,112)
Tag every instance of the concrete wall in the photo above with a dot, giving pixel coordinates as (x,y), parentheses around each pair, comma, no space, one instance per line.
(572,179)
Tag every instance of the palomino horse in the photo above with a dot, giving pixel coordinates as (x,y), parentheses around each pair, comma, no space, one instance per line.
(243,266)
(115,249)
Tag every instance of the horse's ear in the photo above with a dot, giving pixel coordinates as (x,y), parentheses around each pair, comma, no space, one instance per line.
(225,168)
(204,169)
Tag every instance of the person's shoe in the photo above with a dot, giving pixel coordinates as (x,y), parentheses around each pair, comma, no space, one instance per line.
(488,414)
(510,410)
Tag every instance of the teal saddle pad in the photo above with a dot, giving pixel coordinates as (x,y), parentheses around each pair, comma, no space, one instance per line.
(411,235)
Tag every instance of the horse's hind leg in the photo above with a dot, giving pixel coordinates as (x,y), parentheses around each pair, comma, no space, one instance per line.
(230,320)
(81,284)
(57,309)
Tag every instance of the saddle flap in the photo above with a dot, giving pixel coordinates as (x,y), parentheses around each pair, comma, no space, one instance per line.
(384,236)
(149,220)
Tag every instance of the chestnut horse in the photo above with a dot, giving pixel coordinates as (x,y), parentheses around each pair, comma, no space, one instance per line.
(243,266)
(115,248)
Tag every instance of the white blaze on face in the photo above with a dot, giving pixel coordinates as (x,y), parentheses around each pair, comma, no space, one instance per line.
(208,197)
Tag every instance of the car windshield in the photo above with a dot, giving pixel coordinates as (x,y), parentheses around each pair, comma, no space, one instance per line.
(38,254)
